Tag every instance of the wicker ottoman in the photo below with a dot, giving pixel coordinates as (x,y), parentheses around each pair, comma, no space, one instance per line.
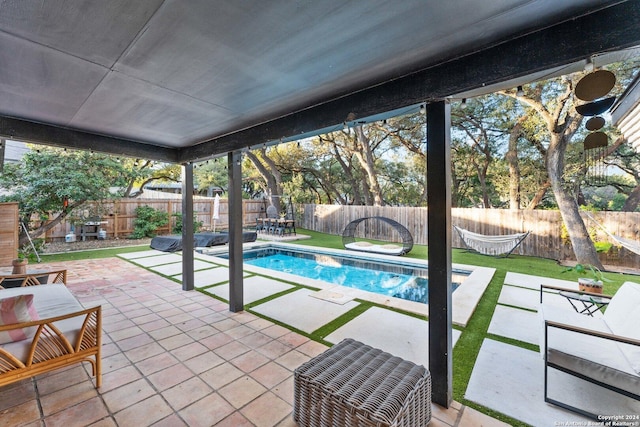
(353,384)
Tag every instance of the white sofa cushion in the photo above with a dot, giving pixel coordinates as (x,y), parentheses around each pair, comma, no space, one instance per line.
(623,318)
(597,358)
(50,300)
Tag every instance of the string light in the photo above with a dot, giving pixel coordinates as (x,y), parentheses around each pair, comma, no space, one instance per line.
(588,66)
(519,91)
(464,103)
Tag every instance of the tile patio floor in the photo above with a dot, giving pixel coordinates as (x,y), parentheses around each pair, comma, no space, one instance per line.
(174,358)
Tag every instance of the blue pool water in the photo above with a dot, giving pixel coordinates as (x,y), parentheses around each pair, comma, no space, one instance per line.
(400,281)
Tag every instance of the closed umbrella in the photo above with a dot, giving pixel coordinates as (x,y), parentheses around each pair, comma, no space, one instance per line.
(216,210)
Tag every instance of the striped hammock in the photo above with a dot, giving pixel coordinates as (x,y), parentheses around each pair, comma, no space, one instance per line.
(631,245)
(490,245)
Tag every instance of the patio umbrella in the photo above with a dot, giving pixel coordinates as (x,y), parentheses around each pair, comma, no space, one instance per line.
(216,210)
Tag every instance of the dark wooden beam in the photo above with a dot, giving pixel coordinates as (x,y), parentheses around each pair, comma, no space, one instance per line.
(439,250)
(236,281)
(188,281)
(39,133)
(609,29)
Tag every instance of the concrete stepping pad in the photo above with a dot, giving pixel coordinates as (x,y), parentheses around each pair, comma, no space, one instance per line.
(510,379)
(514,323)
(255,288)
(301,311)
(401,335)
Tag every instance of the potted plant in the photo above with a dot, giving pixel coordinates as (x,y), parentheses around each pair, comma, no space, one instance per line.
(592,279)
(20,264)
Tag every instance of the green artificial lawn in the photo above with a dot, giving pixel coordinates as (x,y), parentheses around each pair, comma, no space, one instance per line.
(468,346)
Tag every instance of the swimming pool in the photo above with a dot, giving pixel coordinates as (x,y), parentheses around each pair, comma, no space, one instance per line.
(409,282)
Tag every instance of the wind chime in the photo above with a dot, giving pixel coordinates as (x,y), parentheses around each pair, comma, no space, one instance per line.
(590,88)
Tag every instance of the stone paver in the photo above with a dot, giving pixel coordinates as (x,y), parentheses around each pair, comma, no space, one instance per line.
(302,311)
(255,288)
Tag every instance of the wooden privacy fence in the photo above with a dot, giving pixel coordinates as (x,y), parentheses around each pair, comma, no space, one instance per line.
(547,239)
(118,216)
(9,228)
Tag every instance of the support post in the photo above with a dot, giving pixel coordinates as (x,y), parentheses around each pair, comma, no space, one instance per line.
(236,284)
(187,227)
(439,250)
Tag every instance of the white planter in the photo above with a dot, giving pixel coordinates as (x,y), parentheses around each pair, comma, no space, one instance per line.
(590,285)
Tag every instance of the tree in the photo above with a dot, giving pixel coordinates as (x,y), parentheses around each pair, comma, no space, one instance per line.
(52,184)
(553,102)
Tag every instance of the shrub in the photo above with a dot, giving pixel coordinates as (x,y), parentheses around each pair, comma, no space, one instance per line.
(147,222)
(177,228)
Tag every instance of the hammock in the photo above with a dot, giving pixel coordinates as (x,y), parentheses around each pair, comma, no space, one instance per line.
(629,244)
(491,245)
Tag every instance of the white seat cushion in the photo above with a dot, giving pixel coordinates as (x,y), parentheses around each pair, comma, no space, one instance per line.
(623,318)
(50,300)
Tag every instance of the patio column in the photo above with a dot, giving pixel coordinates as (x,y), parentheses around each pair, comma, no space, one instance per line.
(187,227)
(439,251)
(236,293)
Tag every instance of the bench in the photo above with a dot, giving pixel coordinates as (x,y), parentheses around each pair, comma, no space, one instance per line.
(603,349)
(33,278)
(353,384)
(62,332)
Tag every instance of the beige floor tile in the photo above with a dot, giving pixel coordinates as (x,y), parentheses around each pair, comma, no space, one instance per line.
(449,416)
(249,361)
(241,391)
(188,351)
(267,410)
(292,359)
(156,363)
(62,399)
(312,348)
(203,362)
(167,378)
(172,420)
(235,420)
(232,350)
(175,341)
(185,393)
(221,375)
(25,412)
(216,341)
(274,349)
(144,351)
(207,412)
(84,413)
(17,394)
(271,374)
(144,413)
(61,379)
(284,390)
(128,395)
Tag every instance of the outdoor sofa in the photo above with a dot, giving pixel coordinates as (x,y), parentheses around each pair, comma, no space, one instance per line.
(43,327)
(173,243)
(603,349)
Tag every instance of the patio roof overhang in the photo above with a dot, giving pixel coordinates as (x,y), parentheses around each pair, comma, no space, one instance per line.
(180,82)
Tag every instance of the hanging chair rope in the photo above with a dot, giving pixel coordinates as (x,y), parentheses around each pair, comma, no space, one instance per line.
(491,245)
